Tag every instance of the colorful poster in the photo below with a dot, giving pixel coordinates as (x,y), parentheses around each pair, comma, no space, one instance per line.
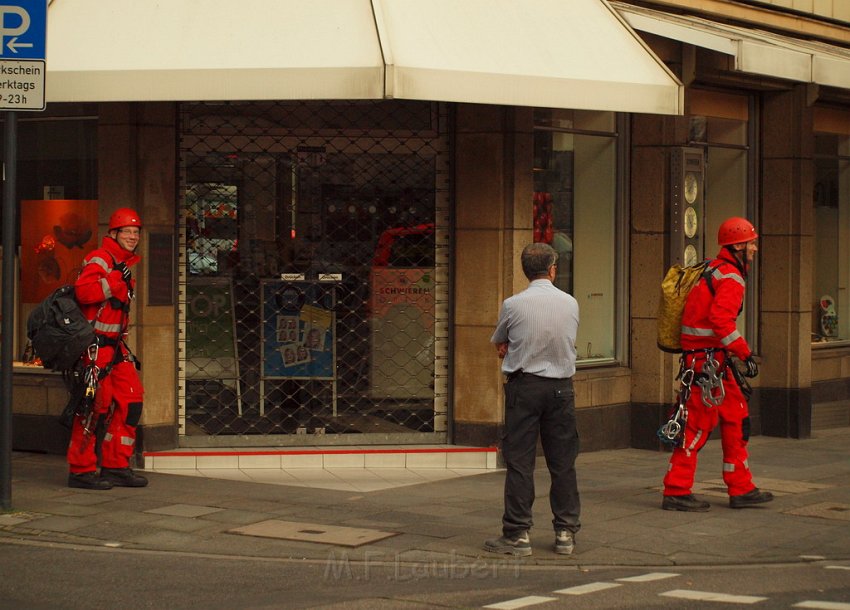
(55,236)
(298,330)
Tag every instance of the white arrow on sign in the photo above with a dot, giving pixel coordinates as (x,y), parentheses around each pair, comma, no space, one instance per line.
(24,16)
(13,45)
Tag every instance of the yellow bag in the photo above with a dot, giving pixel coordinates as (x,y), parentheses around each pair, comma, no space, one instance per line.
(675,287)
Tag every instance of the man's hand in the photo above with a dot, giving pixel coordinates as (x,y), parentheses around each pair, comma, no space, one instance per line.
(124,270)
(117,286)
(502,348)
(752,367)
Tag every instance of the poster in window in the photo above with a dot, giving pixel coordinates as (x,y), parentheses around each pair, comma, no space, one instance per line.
(298,330)
(55,236)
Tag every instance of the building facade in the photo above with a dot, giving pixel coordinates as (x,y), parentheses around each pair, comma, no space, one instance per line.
(323,264)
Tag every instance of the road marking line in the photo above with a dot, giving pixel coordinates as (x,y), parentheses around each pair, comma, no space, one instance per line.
(708,596)
(823,605)
(837,567)
(522,602)
(588,588)
(648,577)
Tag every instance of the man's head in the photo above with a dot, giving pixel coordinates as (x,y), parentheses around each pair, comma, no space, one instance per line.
(538,261)
(739,236)
(125,227)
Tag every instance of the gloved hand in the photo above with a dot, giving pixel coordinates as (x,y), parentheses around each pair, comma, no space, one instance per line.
(124,270)
(119,288)
(752,369)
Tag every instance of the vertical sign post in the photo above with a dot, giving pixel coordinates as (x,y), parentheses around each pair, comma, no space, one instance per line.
(23,45)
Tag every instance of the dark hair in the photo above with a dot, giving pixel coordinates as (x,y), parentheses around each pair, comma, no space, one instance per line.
(536,260)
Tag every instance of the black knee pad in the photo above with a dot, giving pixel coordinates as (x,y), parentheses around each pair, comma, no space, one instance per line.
(134,413)
(745,428)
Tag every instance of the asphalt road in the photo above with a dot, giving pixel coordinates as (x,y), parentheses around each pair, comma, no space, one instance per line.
(47,575)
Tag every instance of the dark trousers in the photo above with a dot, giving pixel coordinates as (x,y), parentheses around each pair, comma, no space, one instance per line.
(534,407)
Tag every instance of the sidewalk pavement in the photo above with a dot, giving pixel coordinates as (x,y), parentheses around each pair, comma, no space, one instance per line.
(623,524)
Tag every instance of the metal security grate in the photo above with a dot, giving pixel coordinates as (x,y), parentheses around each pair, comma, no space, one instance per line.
(314,272)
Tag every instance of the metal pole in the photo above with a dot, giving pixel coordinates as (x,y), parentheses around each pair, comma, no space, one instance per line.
(10,171)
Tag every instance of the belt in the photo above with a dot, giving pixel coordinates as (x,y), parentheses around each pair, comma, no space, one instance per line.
(521,375)
(103,341)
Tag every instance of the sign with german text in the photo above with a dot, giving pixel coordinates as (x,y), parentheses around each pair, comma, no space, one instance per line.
(23,47)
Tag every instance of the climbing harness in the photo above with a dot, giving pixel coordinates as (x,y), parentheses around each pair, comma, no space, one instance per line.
(710,381)
(91,378)
(671,433)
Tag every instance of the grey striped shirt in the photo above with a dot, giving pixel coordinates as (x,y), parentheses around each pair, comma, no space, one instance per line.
(540,325)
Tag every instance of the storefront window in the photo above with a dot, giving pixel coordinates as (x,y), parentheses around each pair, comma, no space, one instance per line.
(575,201)
(314,270)
(57,153)
(57,173)
(831,277)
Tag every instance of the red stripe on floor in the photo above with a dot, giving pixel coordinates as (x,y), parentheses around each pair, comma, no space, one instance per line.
(319,452)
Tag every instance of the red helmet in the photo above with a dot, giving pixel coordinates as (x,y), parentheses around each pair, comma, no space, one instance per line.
(736,230)
(124,217)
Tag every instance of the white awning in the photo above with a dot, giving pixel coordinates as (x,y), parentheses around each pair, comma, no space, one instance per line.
(547,53)
(754,51)
(148,50)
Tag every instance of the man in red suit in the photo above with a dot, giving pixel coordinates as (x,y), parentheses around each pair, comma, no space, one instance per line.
(104,291)
(709,337)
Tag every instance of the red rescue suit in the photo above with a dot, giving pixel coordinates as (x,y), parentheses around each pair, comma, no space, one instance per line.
(104,298)
(708,321)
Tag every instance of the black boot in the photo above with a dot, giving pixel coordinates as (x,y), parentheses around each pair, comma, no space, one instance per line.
(123,477)
(87,480)
(751,498)
(686,503)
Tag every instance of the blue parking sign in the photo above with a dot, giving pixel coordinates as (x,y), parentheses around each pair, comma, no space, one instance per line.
(23,29)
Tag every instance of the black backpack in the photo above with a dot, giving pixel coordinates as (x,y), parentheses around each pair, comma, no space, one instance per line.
(58,330)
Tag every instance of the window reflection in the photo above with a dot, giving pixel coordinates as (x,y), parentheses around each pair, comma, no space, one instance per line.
(831,277)
(574,203)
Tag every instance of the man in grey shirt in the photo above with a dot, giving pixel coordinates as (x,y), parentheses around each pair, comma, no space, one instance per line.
(535,336)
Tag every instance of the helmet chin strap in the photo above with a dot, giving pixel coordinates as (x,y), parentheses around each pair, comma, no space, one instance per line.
(739,256)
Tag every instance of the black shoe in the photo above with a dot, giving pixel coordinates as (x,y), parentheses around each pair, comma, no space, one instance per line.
(751,498)
(518,545)
(686,503)
(87,480)
(123,477)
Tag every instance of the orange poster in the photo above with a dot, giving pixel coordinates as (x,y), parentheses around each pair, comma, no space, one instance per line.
(55,236)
